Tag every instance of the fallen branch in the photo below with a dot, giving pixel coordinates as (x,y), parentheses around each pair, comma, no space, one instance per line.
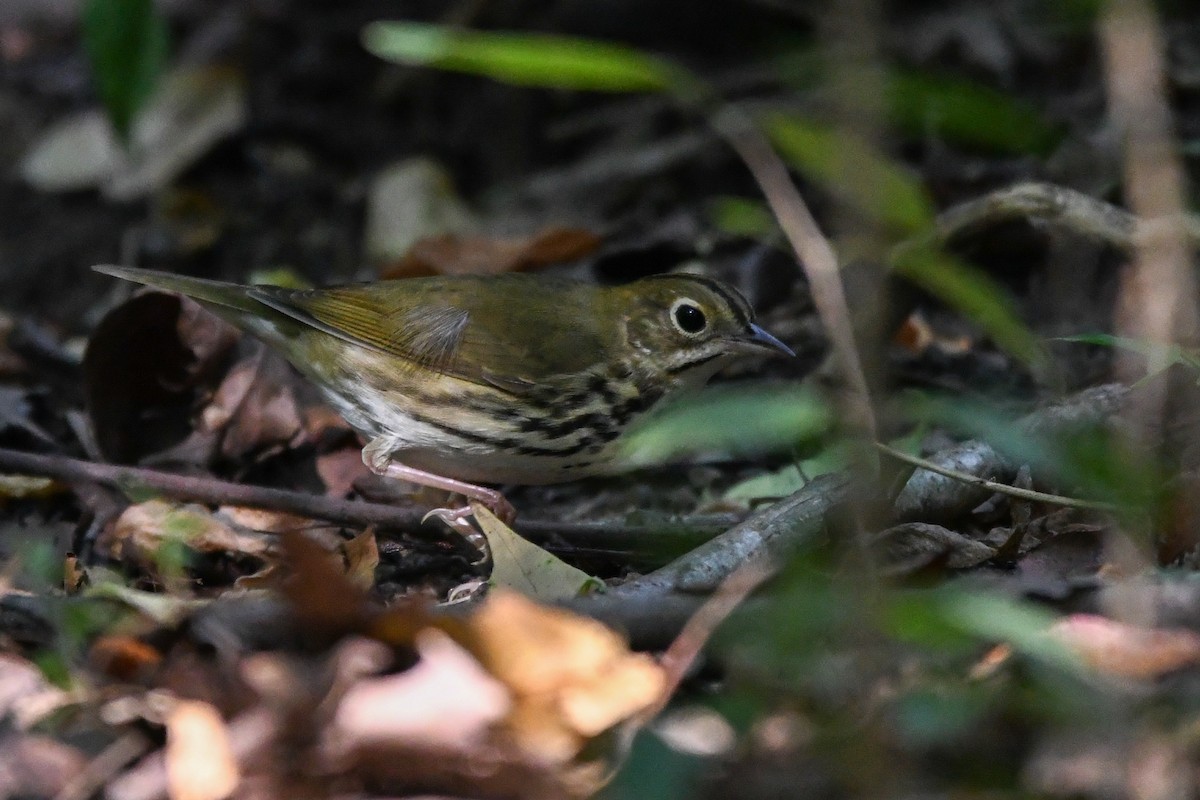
(612,534)
(932,497)
(1046,203)
(993,486)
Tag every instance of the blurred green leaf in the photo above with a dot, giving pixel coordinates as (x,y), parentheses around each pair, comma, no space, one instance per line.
(1157,352)
(127,42)
(1020,624)
(41,564)
(741,216)
(525,59)
(54,667)
(792,477)
(914,618)
(975,295)
(828,155)
(1092,463)
(769,419)
(966,112)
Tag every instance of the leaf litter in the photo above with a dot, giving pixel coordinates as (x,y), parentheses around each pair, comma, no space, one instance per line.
(187,652)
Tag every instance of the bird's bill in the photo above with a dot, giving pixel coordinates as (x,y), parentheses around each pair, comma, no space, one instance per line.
(757,338)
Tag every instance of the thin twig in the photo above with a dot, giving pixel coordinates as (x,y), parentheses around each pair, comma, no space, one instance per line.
(686,648)
(347,512)
(1002,488)
(815,254)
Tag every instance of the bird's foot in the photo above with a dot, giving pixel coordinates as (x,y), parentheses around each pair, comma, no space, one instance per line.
(457,519)
(377,459)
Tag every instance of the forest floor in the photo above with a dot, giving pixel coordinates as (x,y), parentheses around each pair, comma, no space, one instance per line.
(204,593)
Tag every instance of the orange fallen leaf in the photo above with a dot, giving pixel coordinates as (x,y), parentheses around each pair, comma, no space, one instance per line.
(362,557)
(123,657)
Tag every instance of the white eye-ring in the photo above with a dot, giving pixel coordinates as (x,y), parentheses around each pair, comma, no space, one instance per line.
(687,316)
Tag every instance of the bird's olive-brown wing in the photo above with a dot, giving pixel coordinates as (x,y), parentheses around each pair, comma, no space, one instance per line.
(506,331)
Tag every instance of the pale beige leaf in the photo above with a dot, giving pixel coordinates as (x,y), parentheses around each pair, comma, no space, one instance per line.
(519,564)
(1127,651)
(200,762)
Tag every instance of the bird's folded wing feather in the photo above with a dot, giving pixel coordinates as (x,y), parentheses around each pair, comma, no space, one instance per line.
(509,350)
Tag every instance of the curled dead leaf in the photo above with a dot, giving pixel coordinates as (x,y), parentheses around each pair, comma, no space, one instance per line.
(143,528)
(147,365)
(254,407)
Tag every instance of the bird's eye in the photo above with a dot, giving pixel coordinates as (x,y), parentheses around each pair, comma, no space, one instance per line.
(688,317)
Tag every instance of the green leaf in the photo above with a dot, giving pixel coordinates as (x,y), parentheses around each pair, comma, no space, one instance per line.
(966,112)
(1023,625)
(769,419)
(522,566)
(525,59)
(127,43)
(853,169)
(741,216)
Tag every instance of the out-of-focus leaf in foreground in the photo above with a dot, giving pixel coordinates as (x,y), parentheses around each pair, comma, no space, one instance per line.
(828,156)
(735,421)
(966,112)
(127,43)
(526,59)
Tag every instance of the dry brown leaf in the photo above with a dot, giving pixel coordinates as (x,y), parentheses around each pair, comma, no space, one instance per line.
(75,577)
(571,676)
(362,557)
(254,407)
(148,363)
(320,420)
(326,602)
(340,469)
(914,545)
(199,759)
(451,254)
(143,528)
(916,335)
(1127,651)
(265,520)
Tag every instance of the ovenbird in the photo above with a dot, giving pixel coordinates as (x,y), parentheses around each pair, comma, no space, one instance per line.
(501,379)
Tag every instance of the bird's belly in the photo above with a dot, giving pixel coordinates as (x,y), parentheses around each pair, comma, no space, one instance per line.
(456,431)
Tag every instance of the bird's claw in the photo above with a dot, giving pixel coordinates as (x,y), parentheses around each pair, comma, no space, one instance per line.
(457,520)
